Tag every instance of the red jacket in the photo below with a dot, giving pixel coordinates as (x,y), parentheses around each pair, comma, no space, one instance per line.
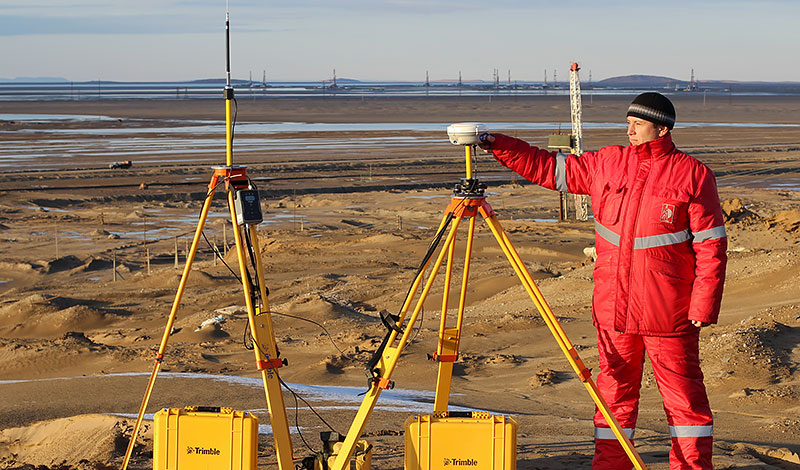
(659,232)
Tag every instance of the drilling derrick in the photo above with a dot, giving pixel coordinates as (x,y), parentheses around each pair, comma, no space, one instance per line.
(581,200)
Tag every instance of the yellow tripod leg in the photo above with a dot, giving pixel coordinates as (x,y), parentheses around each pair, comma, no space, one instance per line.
(270,376)
(228,132)
(414,287)
(264,346)
(170,322)
(390,355)
(561,338)
(450,338)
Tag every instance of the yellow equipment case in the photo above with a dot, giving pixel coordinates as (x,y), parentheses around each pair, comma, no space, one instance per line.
(208,438)
(452,441)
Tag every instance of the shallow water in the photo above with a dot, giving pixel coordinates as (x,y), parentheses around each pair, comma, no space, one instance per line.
(346,398)
(63,148)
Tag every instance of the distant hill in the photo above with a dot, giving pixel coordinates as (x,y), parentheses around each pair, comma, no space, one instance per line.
(639,81)
(654,82)
(34,80)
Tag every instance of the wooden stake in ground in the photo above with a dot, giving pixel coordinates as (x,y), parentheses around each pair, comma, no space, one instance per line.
(224,238)
(114,265)
(56,241)
(146,251)
(215,251)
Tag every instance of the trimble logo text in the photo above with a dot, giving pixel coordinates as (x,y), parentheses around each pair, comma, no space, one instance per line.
(202,451)
(460,462)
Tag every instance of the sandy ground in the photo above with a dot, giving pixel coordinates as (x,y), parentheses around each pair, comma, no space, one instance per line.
(345,229)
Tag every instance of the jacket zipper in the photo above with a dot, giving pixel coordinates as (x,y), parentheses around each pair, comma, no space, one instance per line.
(635,230)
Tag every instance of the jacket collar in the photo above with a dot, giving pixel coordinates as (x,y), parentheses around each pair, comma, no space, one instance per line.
(654,148)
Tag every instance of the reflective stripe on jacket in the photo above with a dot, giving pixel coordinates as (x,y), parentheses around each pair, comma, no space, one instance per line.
(660,235)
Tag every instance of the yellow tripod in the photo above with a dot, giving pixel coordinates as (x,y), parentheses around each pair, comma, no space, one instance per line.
(236,182)
(467,202)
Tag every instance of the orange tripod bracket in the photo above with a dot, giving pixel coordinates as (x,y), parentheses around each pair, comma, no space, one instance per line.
(274,363)
(444,357)
(469,207)
(234,177)
(383,383)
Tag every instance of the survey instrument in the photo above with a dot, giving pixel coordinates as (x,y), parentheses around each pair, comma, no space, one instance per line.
(244,204)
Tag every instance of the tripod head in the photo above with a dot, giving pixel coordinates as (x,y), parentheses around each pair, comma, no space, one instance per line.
(469,135)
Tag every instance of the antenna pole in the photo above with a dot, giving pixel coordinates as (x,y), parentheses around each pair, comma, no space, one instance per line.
(228,91)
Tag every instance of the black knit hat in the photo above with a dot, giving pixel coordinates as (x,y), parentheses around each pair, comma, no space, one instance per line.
(653,107)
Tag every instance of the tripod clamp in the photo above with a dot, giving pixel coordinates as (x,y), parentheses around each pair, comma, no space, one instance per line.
(469,188)
(373,379)
(390,321)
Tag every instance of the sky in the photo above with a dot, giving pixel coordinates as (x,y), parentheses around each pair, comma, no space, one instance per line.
(378,40)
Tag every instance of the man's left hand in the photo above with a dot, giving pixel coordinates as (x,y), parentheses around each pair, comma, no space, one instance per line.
(699,324)
(486,140)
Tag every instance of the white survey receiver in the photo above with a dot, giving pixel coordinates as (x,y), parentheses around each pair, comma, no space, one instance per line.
(466,133)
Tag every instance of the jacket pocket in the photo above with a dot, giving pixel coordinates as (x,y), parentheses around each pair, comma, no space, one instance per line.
(667,294)
(669,208)
(611,203)
(604,291)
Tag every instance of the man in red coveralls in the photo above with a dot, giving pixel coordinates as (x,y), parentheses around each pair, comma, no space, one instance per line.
(660,269)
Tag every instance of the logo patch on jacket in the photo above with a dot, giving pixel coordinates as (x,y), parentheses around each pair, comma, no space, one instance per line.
(667,213)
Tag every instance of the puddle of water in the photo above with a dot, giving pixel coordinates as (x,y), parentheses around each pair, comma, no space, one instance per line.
(46,209)
(161,216)
(52,117)
(536,220)
(63,148)
(399,400)
(786,186)
(151,229)
(262,428)
(434,196)
(276,127)
(155,217)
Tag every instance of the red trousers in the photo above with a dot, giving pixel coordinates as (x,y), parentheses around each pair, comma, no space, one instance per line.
(676,365)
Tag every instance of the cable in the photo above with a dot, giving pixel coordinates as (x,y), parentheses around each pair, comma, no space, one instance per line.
(373,362)
(296,417)
(431,249)
(248,242)
(296,397)
(247,338)
(330,338)
(233,122)
(251,253)
(251,182)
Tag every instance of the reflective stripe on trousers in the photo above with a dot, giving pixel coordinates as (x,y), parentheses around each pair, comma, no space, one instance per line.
(691,431)
(674,431)
(607,433)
